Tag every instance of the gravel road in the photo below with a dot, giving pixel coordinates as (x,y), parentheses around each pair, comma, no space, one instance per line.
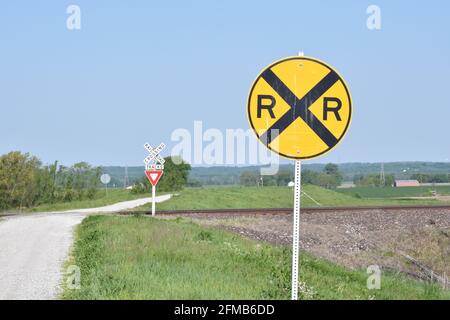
(121,205)
(32,252)
(34,247)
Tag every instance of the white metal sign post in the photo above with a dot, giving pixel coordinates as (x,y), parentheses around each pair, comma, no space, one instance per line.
(153,200)
(296,225)
(154,168)
(296,229)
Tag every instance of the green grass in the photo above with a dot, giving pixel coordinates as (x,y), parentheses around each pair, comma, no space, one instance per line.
(391,192)
(253,197)
(136,257)
(268,197)
(229,197)
(102,199)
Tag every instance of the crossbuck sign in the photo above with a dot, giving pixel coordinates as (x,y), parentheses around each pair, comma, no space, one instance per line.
(154,166)
(154,161)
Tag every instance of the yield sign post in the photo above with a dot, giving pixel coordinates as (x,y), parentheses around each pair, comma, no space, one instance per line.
(154,166)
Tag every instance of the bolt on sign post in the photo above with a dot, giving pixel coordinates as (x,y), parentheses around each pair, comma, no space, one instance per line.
(154,168)
(300,108)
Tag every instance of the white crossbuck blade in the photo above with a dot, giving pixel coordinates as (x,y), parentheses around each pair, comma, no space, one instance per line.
(154,157)
(154,153)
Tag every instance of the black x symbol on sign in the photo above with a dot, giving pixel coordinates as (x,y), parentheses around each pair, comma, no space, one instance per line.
(299,107)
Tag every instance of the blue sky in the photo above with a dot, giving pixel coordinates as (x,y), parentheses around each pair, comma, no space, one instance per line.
(137,70)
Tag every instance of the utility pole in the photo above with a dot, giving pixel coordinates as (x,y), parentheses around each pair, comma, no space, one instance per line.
(125,180)
(382,176)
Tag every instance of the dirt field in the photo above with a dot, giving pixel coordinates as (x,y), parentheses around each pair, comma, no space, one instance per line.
(414,241)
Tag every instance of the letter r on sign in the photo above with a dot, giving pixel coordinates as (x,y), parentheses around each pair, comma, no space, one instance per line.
(335,109)
(263,98)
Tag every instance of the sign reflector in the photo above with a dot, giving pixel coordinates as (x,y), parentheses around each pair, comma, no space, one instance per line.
(153,176)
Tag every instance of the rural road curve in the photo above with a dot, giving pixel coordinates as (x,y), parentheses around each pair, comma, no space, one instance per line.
(121,205)
(34,247)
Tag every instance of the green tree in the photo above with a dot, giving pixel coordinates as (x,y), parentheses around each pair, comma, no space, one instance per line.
(47,188)
(331,177)
(331,169)
(309,177)
(284,177)
(326,180)
(249,178)
(24,182)
(372,180)
(175,177)
(18,180)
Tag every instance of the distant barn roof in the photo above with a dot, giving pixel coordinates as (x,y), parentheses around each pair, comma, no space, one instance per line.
(407,183)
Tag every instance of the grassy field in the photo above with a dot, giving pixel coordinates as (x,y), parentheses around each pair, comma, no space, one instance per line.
(102,199)
(268,197)
(136,257)
(253,197)
(391,192)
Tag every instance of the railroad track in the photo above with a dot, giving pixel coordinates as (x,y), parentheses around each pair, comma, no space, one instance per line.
(267,211)
(283,211)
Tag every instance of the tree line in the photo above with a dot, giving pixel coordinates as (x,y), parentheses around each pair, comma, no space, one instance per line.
(431,178)
(26,182)
(330,177)
(373,180)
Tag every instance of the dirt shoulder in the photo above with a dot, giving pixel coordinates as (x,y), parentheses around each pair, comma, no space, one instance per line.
(357,239)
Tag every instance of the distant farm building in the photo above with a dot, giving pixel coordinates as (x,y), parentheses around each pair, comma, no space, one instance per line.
(347,184)
(406,183)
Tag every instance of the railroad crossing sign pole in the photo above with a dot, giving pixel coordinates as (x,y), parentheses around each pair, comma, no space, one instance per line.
(296,229)
(154,169)
(300,108)
(296,225)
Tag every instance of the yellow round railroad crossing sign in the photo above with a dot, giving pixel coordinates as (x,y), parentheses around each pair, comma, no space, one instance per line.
(299,107)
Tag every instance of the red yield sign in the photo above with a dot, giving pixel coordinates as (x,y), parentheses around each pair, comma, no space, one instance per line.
(153,176)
